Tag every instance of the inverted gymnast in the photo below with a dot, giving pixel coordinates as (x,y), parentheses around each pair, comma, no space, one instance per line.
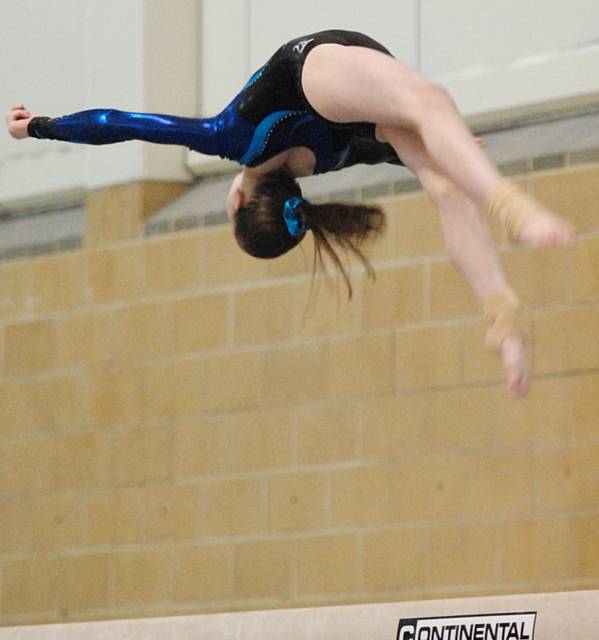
(324,102)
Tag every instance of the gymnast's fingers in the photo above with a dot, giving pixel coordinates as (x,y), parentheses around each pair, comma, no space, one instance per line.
(17,114)
(19,107)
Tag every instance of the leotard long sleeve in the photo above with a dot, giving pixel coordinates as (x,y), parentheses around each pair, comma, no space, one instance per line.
(107,126)
(270,115)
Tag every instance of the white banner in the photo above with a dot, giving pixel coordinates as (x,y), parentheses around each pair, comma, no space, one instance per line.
(502,626)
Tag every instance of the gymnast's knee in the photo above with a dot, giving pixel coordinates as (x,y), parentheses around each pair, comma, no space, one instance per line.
(431,100)
(443,193)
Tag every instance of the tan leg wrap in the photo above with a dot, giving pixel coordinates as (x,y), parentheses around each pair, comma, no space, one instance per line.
(502,313)
(511,206)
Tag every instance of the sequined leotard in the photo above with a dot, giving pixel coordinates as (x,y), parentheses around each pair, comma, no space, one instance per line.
(270,115)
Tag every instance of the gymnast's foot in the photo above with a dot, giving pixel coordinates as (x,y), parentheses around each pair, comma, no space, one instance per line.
(525,219)
(515,365)
(546,229)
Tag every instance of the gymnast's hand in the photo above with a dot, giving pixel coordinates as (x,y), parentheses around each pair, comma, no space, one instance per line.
(17,121)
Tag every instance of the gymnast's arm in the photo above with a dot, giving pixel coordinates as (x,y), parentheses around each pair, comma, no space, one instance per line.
(107,126)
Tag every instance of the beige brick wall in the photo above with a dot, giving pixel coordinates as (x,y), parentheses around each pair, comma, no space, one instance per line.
(181,432)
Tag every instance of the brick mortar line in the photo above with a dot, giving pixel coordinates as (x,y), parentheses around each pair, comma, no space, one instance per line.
(48,375)
(232,606)
(326,402)
(113,550)
(558,444)
(84,495)
(236,605)
(153,297)
(268,282)
(203,289)
(533,450)
(167,423)
(298,342)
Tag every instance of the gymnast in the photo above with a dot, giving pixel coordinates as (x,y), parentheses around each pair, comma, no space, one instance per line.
(331,100)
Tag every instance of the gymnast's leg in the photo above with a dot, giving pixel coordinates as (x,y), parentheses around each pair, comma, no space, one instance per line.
(472,249)
(353,84)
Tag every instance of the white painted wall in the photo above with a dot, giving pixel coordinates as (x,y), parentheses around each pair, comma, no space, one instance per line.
(43,64)
(191,56)
(501,31)
(67,55)
(509,56)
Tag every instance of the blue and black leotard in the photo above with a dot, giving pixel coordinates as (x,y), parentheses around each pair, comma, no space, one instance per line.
(270,115)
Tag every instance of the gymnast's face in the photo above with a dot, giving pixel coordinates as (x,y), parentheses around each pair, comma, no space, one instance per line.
(241,191)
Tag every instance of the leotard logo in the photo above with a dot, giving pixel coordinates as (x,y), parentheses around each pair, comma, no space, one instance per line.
(300,46)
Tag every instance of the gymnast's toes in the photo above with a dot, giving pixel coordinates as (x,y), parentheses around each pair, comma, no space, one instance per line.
(545,229)
(513,357)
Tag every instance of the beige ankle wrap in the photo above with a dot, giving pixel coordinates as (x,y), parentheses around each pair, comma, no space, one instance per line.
(511,206)
(502,313)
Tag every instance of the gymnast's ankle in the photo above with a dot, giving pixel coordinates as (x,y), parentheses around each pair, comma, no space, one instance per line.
(508,204)
(504,318)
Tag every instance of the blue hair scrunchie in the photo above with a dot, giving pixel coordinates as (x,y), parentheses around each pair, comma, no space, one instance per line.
(294,224)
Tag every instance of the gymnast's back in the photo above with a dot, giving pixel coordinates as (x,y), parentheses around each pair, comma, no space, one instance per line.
(276,88)
(277,85)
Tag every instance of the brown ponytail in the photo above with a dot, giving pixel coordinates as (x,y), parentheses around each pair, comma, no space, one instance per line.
(346,226)
(261,231)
